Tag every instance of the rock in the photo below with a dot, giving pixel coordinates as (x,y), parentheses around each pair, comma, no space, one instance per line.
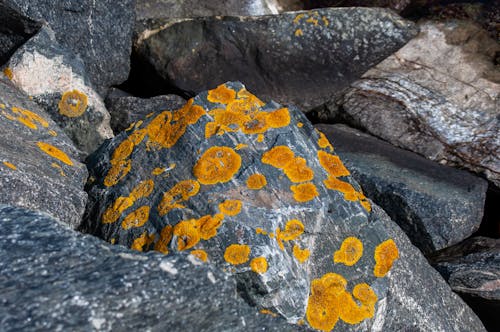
(396,5)
(303,58)
(39,168)
(126,110)
(239,183)
(100,32)
(59,82)
(56,279)
(438,96)
(437,206)
(418,298)
(472,268)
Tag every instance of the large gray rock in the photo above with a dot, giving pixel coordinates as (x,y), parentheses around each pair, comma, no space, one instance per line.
(59,82)
(304,58)
(100,32)
(39,167)
(55,279)
(437,206)
(438,96)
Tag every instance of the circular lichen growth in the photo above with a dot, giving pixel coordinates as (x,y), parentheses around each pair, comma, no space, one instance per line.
(200,254)
(304,192)
(259,265)
(301,254)
(136,218)
(350,251)
(385,255)
(279,156)
(237,254)
(256,181)
(73,103)
(187,235)
(207,225)
(230,207)
(332,164)
(217,165)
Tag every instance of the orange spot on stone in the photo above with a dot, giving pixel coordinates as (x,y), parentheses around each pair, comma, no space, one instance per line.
(350,311)
(8,73)
(207,225)
(241,146)
(260,138)
(350,251)
(304,192)
(278,157)
(298,171)
(54,152)
(301,254)
(300,124)
(179,193)
(268,312)
(165,237)
(385,255)
(323,142)
(222,95)
(293,229)
(28,118)
(187,235)
(52,133)
(136,218)
(117,172)
(200,254)
(230,207)
(299,33)
(259,230)
(217,165)
(256,181)
(259,265)
(73,103)
(332,164)
(142,242)
(10,165)
(143,189)
(237,254)
(279,118)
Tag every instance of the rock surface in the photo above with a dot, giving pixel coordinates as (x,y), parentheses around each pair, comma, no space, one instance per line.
(437,206)
(39,167)
(438,96)
(74,282)
(100,32)
(60,83)
(302,58)
(396,5)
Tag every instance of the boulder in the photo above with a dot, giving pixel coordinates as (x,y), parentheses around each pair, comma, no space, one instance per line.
(53,278)
(396,5)
(303,58)
(39,167)
(100,32)
(438,96)
(60,83)
(436,205)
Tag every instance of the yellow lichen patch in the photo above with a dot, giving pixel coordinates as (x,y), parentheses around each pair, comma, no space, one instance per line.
(241,146)
(385,255)
(137,136)
(143,189)
(52,133)
(279,118)
(28,118)
(207,225)
(187,235)
(251,100)
(8,73)
(142,241)
(300,124)
(73,103)
(279,156)
(325,21)
(260,138)
(158,171)
(54,153)
(259,230)
(366,204)
(304,192)
(217,165)
(136,218)
(179,193)
(313,21)
(59,168)
(299,33)
(350,251)
(256,181)
(346,188)
(200,254)
(222,95)
(230,207)
(165,237)
(350,311)
(259,265)
(268,312)
(237,254)
(297,18)
(117,172)
(332,164)
(323,142)
(10,165)
(293,229)
(301,254)
(122,152)
(298,171)
(113,212)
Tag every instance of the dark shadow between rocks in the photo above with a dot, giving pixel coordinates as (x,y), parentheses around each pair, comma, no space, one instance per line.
(490,225)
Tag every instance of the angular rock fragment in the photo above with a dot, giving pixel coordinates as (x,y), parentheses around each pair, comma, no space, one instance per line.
(59,82)
(304,58)
(437,206)
(39,167)
(70,281)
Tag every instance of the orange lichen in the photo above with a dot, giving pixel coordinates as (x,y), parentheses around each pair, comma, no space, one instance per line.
(217,165)
(301,254)
(230,207)
(137,136)
(346,188)
(304,192)
(241,146)
(268,312)
(122,152)
(179,193)
(385,255)
(350,251)
(350,311)
(10,165)
(52,133)
(8,73)
(298,171)
(187,235)
(222,95)
(300,124)
(332,164)
(299,32)
(165,237)
(325,21)
(73,103)
(259,265)
(323,142)
(158,171)
(117,172)
(28,118)
(293,229)
(54,153)
(113,212)
(279,156)
(207,225)
(200,254)
(366,204)
(256,181)
(279,118)
(143,189)
(254,102)
(260,138)
(237,254)
(142,241)
(313,21)
(259,230)
(136,218)
(59,168)
(297,18)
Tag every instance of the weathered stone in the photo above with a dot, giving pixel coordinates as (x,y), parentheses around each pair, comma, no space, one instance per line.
(303,58)
(472,268)
(100,32)
(59,82)
(437,206)
(396,5)
(39,167)
(55,279)
(126,110)
(246,185)
(438,96)
(418,298)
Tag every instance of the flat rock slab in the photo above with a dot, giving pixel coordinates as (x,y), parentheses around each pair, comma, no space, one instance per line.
(436,205)
(39,167)
(302,58)
(53,278)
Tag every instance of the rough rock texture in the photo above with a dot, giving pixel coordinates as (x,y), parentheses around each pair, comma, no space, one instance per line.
(126,110)
(472,268)
(59,82)
(100,32)
(39,166)
(55,279)
(253,189)
(302,58)
(437,206)
(438,96)
(396,5)
(418,298)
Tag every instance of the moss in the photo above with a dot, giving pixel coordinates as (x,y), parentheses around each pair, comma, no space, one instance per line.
(256,181)
(217,165)
(187,235)
(350,251)
(259,265)
(73,103)
(136,218)
(54,153)
(200,254)
(230,207)
(166,235)
(304,192)
(237,254)
(301,254)
(385,255)
(178,194)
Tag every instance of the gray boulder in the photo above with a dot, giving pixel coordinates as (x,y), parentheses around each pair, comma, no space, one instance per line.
(436,205)
(39,167)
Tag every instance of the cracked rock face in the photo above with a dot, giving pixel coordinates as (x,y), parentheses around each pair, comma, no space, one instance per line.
(39,166)
(303,58)
(255,190)
(438,96)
